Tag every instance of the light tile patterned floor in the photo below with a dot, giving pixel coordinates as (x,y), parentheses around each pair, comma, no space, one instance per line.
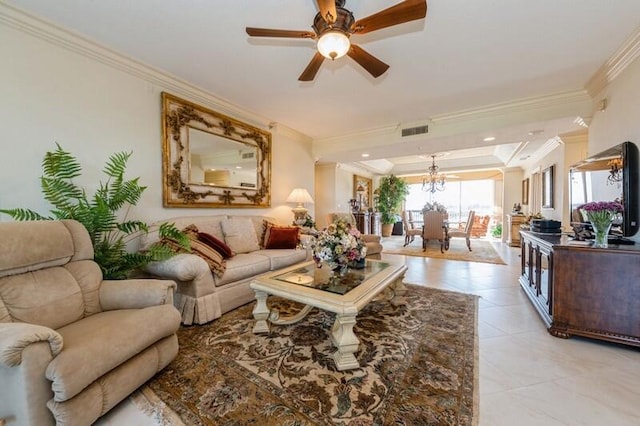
(527,377)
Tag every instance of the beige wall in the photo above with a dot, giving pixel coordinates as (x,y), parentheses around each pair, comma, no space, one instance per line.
(511,194)
(334,189)
(325,192)
(96,103)
(575,150)
(620,121)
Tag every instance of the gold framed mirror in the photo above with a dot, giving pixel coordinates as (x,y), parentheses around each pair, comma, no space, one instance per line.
(211,160)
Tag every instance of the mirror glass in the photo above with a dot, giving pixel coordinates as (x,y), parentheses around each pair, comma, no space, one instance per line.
(218,161)
(212,160)
(547,188)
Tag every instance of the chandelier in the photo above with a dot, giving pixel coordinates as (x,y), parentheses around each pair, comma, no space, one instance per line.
(615,173)
(433,181)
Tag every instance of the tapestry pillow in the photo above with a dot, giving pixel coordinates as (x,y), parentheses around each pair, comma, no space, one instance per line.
(214,259)
(216,244)
(265,226)
(281,237)
(240,235)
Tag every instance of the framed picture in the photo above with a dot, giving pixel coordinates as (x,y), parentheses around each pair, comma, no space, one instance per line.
(362,191)
(525,192)
(547,188)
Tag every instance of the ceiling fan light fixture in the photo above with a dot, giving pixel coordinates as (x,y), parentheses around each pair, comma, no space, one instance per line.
(333,44)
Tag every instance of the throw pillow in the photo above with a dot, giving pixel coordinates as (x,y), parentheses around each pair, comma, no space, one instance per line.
(216,262)
(281,237)
(214,259)
(216,244)
(240,235)
(265,226)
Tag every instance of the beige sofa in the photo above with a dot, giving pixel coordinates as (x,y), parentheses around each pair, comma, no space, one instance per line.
(72,345)
(201,295)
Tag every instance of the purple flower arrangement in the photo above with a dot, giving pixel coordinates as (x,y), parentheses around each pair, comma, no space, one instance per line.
(603,206)
(601,215)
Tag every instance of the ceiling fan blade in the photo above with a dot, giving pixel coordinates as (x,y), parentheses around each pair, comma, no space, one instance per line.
(373,65)
(328,10)
(267,32)
(311,70)
(408,10)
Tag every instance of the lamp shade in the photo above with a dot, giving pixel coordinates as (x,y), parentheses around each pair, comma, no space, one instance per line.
(333,44)
(299,196)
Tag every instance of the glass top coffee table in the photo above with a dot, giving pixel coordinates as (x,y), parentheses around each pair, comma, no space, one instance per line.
(344,295)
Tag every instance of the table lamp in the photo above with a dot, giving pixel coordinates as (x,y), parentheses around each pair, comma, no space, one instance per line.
(299,196)
(360,190)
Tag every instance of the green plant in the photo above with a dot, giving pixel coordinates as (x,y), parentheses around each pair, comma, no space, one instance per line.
(496,231)
(308,222)
(392,191)
(99,213)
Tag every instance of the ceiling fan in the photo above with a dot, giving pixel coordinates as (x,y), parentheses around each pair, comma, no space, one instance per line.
(334,25)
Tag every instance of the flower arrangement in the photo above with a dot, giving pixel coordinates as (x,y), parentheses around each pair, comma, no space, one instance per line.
(601,215)
(435,206)
(338,244)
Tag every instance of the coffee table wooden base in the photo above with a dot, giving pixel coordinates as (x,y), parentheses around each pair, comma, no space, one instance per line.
(263,315)
(346,341)
(388,288)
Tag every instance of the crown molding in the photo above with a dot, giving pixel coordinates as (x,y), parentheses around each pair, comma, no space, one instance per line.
(546,149)
(504,114)
(59,36)
(355,169)
(514,106)
(608,72)
(288,132)
(581,136)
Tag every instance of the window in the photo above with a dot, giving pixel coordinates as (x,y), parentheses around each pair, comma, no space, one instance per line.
(458,197)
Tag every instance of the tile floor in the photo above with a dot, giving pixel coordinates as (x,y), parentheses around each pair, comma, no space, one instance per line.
(527,377)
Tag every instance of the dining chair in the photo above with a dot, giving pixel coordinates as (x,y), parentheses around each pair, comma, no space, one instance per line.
(434,229)
(466,231)
(415,219)
(409,231)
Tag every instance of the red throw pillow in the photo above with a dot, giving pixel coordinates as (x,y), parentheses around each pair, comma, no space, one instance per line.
(216,244)
(281,237)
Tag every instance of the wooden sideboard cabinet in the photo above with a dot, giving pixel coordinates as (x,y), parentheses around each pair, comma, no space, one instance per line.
(515,220)
(368,223)
(583,291)
(376,224)
(363,222)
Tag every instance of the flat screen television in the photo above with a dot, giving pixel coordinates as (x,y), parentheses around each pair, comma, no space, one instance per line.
(611,175)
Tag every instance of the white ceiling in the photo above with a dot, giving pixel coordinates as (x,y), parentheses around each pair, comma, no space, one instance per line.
(465,55)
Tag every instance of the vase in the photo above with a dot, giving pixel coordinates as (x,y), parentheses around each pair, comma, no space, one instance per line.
(601,232)
(357,264)
(340,270)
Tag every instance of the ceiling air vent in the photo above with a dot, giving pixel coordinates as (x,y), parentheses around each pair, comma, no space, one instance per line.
(412,131)
(246,155)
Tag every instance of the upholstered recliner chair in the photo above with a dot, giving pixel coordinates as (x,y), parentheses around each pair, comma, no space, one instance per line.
(72,345)
(374,246)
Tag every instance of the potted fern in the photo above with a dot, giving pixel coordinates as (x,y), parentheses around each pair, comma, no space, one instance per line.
(99,213)
(392,192)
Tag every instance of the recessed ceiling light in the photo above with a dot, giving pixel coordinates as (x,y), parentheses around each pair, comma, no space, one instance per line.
(365,155)
(535,132)
(238,167)
(489,138)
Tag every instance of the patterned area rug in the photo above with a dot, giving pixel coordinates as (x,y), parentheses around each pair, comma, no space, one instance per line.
(419,356)
(481,251)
